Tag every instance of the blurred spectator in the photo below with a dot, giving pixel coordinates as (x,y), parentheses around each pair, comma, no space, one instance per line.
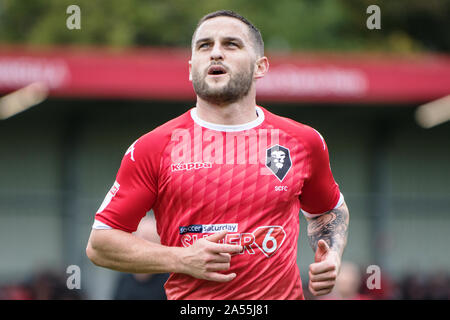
(387,291)
(49,285)
(412,287)
(347,284)
(438,286)
(15,292)
(142,286)
(43,285)
(351,283)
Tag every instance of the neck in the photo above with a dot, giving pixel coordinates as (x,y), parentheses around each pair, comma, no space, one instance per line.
(239,112)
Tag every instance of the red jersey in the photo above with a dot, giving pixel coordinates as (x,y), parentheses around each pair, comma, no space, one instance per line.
(251,180)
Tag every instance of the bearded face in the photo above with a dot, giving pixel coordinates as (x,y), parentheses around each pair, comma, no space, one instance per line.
(223,62)
(238,84)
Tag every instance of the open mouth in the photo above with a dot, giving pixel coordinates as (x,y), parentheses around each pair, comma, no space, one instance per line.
(216,70)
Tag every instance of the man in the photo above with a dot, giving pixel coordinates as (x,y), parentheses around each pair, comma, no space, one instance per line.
(226,181)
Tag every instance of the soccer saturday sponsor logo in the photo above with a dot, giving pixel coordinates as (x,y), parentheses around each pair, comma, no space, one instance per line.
(209,228)
(268,239)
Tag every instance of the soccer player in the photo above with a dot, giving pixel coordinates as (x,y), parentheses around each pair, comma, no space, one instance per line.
(226,181)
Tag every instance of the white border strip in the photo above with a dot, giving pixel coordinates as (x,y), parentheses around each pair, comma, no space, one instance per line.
(310,215)
(100,225)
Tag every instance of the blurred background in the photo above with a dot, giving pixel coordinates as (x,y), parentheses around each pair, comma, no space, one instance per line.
(73,100)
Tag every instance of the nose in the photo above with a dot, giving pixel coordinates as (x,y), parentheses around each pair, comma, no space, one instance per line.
(216,52)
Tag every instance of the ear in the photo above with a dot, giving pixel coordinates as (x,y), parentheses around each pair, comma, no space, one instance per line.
(262,67)
(190,69)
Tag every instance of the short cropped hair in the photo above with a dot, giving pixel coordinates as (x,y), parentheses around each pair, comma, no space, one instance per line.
(254,32)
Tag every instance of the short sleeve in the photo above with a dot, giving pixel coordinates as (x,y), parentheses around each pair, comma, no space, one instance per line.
(320,192)
(133,193)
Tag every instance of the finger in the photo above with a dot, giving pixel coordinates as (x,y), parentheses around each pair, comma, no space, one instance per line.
(330,275)
(218,266)
(318,292)
(222,257)
(216,237)
(323,246)
(321,267)
(317,286)
(219,277)
(321,292)
(321,251)
(226,248)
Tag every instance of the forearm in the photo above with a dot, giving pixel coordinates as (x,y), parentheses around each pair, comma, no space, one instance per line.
(122,251)
(331,227)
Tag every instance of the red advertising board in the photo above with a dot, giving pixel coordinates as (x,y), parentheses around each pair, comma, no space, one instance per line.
(163,74)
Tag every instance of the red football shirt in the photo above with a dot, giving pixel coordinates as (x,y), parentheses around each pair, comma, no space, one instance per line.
(250,179)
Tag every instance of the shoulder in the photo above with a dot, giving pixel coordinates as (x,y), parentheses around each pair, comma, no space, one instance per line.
(303,133)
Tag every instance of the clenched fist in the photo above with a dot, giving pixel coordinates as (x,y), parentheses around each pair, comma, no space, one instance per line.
(324,270)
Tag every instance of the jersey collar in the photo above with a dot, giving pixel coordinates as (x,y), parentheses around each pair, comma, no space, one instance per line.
(229,128)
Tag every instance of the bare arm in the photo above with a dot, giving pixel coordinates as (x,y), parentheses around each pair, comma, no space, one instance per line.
(122,251)
(331,227)
(327,236)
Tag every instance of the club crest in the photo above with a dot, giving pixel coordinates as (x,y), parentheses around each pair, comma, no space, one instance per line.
(278,160)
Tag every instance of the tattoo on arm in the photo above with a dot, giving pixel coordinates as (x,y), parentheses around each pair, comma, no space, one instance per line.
(331,227)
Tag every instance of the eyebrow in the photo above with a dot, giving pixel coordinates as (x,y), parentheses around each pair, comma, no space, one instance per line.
(235,39)
(202,40)
(209,39)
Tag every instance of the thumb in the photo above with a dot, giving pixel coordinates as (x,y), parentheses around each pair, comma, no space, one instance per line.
(215,237)
(322,250)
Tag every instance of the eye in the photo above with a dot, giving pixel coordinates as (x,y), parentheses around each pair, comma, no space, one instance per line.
(232,44)
(203,45)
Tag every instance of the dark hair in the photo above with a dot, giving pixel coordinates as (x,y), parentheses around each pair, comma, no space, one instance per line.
(254,32)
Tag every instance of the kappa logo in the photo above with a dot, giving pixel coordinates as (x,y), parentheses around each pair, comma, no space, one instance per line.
(190,166)
(268,239)
(278,160)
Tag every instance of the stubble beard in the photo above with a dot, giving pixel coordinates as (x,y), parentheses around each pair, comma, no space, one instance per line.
(238,86)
